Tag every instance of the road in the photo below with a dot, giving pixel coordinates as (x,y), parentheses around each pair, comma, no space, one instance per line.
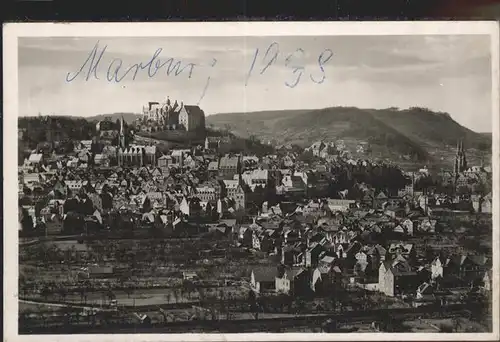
(61,305)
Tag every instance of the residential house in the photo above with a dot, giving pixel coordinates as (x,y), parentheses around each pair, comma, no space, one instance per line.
(316,148)
(425,292)
(263,279)
(190,161)
(341,205)
(31,179)
(486,204)
(464,267)
(405,250)
(293,255)
(101,160)
(407,226)
(75,185)
(212,143)
(427,225)
(380,200)
(53,223)
(487,280)
(291,280)
(35,158)
(288,161)
(313,254)
(258,177)
(164,162)
(396,277)
(326,278)
(213,169)
(293,185)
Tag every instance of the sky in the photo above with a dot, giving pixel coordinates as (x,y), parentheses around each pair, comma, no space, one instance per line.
(444,73)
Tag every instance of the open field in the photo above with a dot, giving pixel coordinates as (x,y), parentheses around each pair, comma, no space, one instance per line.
(145,273)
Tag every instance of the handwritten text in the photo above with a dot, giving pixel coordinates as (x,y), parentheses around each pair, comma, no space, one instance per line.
(115,70)
(291,61)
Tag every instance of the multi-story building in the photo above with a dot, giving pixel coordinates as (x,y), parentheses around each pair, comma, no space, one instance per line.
(257,177)
(229,166)
(137,155)
(207,193)
(235,191)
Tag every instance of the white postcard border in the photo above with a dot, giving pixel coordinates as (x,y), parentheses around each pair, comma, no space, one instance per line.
(13,31)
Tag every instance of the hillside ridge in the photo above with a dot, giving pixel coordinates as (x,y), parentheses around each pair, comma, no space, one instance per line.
(415,133)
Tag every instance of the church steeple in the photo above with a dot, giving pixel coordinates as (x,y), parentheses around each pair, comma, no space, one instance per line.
(463,162)
(460,159)
(122,134)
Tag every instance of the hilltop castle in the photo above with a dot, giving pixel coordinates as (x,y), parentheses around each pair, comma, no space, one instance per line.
(173,116)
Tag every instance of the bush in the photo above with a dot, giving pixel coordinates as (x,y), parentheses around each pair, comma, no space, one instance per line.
(443,327)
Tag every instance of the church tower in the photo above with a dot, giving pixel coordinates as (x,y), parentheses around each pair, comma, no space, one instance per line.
(121,141)
(460,159)
(463,161)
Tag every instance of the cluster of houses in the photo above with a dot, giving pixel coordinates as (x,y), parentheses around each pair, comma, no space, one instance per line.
(283,206)
(326,248)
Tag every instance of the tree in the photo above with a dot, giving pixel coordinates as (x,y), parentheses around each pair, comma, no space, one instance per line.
(463,190)
(63,292)
(129,290)
(483,146)
(176,295)
(26,222)
(188,287)
(83,294)
(457,324)
(146,206)
(45,292)
(111,296)
(67,312)
(306,156)
(252,301)
(239,215)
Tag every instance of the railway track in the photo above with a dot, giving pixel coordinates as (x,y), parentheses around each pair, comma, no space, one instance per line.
(255,325)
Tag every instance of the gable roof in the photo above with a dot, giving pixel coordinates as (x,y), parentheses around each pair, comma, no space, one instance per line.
(213,166)
(35,157)
(231,184)
(381,195)
(228,161)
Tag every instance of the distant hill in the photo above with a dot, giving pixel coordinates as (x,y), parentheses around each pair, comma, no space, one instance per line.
(415,133)
(128,117)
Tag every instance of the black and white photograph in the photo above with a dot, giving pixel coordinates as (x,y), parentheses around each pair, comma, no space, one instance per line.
(216,181)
